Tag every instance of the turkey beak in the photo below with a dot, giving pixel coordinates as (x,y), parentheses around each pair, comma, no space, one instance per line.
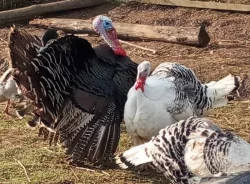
(143,74)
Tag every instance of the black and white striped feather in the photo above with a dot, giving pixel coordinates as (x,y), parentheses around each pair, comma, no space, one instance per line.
(189,150)
(203,96)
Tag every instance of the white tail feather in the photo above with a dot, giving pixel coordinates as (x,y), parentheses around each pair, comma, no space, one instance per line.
(221,88)
(135,156)
(221,102)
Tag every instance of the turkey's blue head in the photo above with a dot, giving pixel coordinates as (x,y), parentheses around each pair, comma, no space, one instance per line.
(103,26)
(143,71)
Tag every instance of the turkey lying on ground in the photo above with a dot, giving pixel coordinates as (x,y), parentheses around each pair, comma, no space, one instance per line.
(79,91)
(170,94)
(190,150)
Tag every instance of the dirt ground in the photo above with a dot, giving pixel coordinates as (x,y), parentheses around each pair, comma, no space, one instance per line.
(232,30)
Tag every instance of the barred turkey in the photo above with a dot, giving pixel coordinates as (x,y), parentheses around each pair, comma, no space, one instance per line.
(190,150)
(170,94)
(79,91)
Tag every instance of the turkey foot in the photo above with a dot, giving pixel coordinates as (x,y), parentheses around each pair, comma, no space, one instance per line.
(6,110)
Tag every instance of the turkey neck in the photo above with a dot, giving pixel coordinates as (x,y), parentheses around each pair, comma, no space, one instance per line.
(140,83)
(151,87)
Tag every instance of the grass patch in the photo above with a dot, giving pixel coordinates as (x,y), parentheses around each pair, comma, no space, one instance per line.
(48,164)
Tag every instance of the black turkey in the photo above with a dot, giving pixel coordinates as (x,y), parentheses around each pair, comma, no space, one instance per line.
(79,91)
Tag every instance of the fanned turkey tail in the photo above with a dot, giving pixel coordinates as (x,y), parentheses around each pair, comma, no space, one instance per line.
(22,48)
(218,91)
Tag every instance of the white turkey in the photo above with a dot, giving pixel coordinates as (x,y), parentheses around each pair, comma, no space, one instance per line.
(8,90)
(171,93)
(190,150)
(80,91)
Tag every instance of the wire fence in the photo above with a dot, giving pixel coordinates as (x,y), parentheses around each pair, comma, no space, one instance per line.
(12,4)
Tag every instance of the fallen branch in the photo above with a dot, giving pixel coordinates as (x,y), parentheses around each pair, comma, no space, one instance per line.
(86,169)
(199,4)
(106,173)
(137,46)
(25,171)
(40,9)
(2,40)
(131,44)
(196,36)
(74,174)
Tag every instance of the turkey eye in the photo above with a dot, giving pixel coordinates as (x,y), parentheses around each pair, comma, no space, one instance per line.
(107,23)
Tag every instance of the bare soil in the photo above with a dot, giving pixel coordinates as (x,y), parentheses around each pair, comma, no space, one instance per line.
(227,53)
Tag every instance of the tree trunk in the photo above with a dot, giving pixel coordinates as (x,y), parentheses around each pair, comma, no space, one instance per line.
(181,35)
(199,4)
(40,9)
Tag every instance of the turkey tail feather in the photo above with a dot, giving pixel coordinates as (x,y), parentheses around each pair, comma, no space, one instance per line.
(136,156)
(22,48)
(89,136)
(218,90)
(39,76)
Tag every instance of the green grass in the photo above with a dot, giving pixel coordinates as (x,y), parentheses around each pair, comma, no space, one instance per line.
(48,164)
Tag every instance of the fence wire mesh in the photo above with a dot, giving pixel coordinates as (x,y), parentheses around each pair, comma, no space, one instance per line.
(13,4)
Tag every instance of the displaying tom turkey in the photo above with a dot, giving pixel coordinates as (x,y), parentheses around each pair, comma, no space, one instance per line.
(190,150)
(170,94)
(80,91)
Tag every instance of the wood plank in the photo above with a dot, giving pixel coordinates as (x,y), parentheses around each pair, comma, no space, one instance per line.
(40,9)
(196,36)
(199,4)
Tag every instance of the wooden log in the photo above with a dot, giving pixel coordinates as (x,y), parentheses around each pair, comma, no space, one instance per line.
(198,4)
(181,35)
(40,9)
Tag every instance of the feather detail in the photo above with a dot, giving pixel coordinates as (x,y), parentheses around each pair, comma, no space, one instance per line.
(189,150)
(203,96)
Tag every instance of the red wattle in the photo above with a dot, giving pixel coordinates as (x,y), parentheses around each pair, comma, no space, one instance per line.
(140,83)
(120,52)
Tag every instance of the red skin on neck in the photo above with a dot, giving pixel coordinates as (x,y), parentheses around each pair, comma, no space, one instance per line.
(120,51)
(140,83)
(111,39)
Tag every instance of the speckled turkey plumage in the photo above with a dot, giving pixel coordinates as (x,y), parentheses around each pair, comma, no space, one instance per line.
(186,81)
(83,90)
(189,150)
